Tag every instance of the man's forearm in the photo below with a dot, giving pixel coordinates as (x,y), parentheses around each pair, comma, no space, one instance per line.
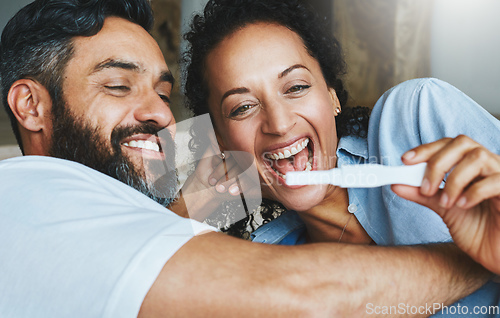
(221,276)
(416,276)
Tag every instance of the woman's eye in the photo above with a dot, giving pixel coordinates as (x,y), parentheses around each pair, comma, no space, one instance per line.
(241,110)
(297,88)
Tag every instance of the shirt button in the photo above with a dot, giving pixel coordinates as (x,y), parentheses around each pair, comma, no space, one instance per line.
(352,208)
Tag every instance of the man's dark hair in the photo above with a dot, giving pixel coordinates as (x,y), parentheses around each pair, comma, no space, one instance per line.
(37,41)
(224,17)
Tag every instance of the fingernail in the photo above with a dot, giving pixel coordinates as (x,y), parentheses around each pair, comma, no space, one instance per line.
(443,202)
(462,202)
(234,190)
(425,187)
(409,155)
(220,188)
(212,181)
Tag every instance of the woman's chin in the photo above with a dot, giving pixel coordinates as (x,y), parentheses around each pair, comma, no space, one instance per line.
(302,201)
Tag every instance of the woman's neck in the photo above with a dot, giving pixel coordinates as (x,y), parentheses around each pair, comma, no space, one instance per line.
(326,221)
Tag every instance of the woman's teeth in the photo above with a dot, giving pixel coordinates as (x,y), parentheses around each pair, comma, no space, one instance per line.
(287,154)
(308,168)
(143,144)
(291,151)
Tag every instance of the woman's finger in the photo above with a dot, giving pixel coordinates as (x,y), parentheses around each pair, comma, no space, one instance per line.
(413,194)
(476,164)
(217,159)
(220,170)
(424,152)
(487,188)
(441,157)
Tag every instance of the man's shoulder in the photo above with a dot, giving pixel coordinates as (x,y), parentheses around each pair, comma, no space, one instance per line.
(66,226)
(45,165)
(48,178)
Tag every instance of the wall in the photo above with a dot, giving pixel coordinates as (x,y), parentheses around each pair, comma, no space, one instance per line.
(465,48)
(7,9)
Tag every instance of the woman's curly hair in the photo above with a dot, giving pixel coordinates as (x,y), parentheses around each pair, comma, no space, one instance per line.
(221,18)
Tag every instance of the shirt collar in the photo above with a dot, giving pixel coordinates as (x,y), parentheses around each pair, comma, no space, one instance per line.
(352,146)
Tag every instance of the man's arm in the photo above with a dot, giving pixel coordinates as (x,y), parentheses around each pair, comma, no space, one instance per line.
(217,275)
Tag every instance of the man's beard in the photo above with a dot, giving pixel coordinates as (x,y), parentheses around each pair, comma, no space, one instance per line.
(78,141)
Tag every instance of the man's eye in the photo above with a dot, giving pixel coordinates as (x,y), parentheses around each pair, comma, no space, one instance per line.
(297,88)
(164,98)
(118,88)
(241,110)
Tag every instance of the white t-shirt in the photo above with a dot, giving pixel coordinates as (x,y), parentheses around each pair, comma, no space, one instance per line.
(77,243)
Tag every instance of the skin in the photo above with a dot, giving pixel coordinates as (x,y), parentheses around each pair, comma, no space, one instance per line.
(273,109)
(129,96)
(254,109)
(268,97)
(339,278)
(470,201)
(116,78)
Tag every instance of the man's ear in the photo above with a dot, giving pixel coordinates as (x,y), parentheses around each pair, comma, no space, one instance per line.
(31,104)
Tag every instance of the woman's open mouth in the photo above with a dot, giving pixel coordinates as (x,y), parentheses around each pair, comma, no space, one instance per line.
(299,156)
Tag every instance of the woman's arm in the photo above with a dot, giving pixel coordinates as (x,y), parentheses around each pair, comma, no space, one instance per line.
(469,203)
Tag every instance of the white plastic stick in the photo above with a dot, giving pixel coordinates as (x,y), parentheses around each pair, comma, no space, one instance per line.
(361,176)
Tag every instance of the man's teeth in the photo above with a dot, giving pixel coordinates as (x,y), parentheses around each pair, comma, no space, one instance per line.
(143,144)
(287,153)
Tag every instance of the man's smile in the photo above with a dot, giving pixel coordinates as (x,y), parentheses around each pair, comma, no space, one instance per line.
(148,145)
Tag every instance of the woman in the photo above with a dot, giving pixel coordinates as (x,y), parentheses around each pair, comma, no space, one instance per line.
(271,81)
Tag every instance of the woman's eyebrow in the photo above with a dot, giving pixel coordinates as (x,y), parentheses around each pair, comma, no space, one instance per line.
(239,90)
(291,68)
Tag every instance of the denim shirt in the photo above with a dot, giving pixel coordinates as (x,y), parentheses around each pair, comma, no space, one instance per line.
(413,113)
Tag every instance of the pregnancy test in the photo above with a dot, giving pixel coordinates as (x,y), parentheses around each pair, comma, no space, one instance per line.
(361,176)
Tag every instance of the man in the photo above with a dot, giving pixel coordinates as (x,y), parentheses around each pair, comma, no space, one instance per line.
(85,86)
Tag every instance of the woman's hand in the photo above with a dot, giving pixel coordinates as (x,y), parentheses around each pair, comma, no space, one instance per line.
(216,179)
(469,203)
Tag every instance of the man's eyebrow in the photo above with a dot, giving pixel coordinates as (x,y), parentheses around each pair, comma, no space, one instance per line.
(167,77)
(112,63)
(239,90)
(291,68)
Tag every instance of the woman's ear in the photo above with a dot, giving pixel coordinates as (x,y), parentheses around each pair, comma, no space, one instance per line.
(218,143)
(337,109)
(31,104)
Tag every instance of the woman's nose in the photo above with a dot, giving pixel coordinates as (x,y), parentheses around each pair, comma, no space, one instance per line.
(279,119)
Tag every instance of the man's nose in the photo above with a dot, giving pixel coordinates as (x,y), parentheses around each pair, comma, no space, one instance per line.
(154,109)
